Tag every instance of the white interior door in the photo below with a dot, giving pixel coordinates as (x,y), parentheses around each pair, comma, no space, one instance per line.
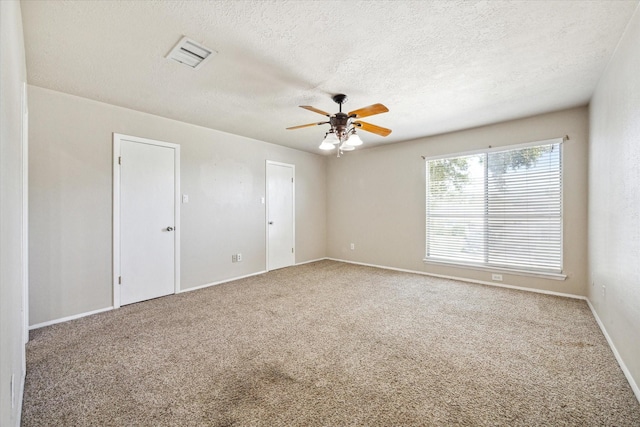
(147,220)
(280,215)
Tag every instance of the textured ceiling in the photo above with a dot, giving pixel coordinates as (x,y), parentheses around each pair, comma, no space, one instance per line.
(438,66)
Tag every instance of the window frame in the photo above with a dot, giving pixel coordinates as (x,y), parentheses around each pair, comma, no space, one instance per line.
(478,266)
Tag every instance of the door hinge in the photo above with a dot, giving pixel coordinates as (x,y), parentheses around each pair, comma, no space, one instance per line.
(291,179)
(119,280)
(291,250)
(120,160)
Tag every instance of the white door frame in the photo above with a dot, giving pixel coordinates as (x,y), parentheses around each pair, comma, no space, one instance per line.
(117,138)
(266,218)
(25,217)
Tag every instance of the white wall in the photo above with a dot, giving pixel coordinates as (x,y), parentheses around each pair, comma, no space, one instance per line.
(377,198)
(12,328)
(614,199)
(71,201)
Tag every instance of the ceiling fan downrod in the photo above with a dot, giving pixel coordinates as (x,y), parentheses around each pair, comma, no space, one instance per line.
(340,99)
(340,122)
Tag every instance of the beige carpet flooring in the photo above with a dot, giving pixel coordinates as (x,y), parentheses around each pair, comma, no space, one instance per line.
(331,344)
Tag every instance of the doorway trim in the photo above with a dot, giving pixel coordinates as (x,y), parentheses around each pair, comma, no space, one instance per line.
(266,211)
(117,138)
(25,220)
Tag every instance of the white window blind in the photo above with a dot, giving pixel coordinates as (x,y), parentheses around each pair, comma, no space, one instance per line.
(500,209)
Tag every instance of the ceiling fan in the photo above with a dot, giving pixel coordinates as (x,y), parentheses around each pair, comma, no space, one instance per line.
(343,125)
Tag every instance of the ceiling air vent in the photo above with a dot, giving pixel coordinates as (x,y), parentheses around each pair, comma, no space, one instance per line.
(190,53)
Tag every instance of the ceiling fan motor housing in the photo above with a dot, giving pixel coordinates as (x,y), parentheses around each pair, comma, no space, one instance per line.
(340,122)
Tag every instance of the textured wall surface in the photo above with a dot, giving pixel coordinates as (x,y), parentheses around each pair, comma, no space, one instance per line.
(71,201)
(13,75)
(377,198)
(614,200)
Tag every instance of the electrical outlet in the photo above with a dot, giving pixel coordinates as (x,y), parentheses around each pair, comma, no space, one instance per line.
(234,258)
(239,257)
(353,246)
(496,277)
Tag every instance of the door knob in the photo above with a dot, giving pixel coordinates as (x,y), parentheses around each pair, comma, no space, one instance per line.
(169,228)
(270,222)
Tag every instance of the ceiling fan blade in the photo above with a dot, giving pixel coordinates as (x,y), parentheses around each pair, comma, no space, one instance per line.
(368,111)
(307,125)
(378,130)
(315,110)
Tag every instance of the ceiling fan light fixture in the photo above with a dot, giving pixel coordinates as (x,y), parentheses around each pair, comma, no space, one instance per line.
(331,138)
(347,147)
(326,145)
(353,140)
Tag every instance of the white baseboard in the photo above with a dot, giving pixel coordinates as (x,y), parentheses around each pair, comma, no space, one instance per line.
(463,279)
(66,319)
(206,285)
(625,370)
(21,398)
(313,260)
(89,313)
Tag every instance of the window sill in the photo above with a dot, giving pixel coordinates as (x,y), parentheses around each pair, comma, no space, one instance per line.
(540,274)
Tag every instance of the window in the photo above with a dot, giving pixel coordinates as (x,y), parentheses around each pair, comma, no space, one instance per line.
(497,209)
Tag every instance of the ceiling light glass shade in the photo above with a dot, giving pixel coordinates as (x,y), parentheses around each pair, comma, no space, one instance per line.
(354,140)
(326,145)
(331,138)
(347,147)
